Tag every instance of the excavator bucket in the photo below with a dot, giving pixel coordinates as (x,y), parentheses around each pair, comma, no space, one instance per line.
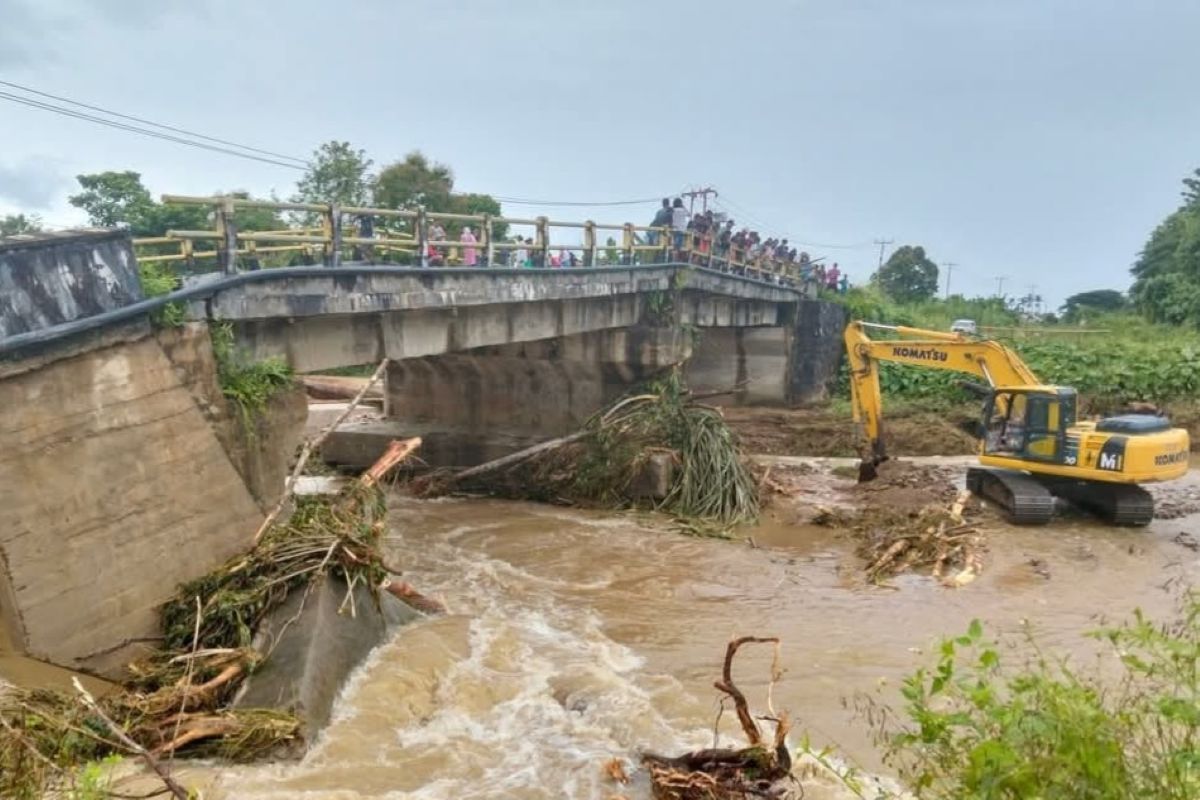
(868,467)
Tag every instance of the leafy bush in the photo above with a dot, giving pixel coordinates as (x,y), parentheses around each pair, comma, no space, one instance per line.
(248,385)
(974,729)
(157,280)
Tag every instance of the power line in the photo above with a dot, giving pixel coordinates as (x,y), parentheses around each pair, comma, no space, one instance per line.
(143,121)
(66,112)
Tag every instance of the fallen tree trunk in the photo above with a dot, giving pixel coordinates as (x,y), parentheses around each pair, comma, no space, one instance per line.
(440,484)
(332,387)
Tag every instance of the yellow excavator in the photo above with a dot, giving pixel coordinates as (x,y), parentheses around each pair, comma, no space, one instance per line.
(1034,447)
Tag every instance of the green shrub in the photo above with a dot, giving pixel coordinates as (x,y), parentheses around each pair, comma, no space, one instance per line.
(248,385)
(157,280)
(974,729)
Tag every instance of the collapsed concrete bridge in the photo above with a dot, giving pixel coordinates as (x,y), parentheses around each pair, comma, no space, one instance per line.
(123,473)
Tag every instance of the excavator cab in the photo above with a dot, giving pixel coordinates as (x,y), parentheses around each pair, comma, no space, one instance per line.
(1029,422)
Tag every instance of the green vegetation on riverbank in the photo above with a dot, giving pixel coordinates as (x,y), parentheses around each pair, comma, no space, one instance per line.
(975,727)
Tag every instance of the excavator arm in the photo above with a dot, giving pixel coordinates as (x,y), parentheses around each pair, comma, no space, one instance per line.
(989,360)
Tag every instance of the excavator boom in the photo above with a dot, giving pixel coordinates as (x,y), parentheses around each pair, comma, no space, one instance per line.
(991,361)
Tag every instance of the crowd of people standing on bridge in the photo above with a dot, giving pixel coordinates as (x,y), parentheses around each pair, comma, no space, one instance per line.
(705,236)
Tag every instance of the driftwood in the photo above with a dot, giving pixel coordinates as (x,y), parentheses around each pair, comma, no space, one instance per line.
(757,770)
(444,482)
(397,450)
(935,538)
(311,446)
(405,593)
(133,747)
(331,387)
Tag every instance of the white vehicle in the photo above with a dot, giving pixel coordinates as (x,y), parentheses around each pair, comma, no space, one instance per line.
(967,326)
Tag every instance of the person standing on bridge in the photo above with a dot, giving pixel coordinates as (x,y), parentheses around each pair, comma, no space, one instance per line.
(679,223)
(470,256)
(662,219)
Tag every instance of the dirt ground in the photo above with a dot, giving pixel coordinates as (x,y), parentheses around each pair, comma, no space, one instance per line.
(827,432)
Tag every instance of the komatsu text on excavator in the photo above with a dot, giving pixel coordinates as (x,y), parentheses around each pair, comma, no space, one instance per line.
(1034,447)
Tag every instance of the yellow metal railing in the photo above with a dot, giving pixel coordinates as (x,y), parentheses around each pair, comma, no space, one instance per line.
(420,237)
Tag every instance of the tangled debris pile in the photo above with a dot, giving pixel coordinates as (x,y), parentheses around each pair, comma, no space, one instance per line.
(911,518)
(660,446)
(760,769)
(177,699)
(936,538)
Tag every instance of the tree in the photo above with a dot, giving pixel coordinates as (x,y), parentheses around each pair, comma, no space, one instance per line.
(114,198)
(256,219)
(14,224)
(337,174)
(1191,190)
(418,182)
(909,275)
(415,181)
(1166,283)
(1095,300)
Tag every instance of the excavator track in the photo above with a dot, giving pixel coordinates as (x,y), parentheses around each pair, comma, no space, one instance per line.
(1115,503)
(1024,500)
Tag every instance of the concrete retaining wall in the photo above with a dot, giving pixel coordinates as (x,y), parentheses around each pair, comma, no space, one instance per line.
(262,449)
(113,490)
(49,279)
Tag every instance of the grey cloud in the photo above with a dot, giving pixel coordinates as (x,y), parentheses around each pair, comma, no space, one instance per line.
(22,29)
(31,32)
(33,183)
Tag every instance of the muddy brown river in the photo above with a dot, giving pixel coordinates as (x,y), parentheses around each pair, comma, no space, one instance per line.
(575,637)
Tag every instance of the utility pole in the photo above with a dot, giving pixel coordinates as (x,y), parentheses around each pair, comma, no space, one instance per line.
(882,244)
(1000,279)
(949,265)
(703,194)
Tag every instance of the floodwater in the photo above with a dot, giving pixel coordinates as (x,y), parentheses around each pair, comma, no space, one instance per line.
(575,637)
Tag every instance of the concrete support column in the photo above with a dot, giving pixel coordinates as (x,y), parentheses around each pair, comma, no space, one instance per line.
(750,364)
(817,350)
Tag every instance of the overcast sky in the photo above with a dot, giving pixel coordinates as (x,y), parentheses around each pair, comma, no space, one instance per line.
(1036,139)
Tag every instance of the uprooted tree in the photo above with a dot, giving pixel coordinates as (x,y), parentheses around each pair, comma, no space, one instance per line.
(761,769)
